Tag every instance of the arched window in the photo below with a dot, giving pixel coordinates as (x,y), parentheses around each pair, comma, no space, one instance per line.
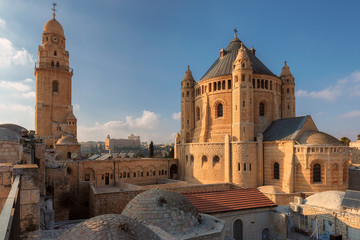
(265,235)
(317,173)
(55,53)
(261,109)
(197,113)
(52,63)
(219,110)
(55,87)
(203,159)
(192,158)
(276,171)
(57,64)
(69,154)
(238,230)
(216,159)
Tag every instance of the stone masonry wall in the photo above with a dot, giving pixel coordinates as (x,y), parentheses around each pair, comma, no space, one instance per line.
(10,151)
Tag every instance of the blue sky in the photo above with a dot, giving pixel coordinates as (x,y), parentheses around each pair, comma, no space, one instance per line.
(129,58)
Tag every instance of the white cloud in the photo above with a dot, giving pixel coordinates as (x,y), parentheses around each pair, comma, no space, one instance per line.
(28,95)
(28,80)
(329,94)
(2,23)
(17,86)
(143,125)
(10,55)
(176,116)
(16,108)
(351,114)
(348,86)
(76,107)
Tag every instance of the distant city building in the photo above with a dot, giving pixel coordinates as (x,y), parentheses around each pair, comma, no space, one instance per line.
(131,142)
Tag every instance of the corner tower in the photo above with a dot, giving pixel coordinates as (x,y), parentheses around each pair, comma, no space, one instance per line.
(187,106)
(54,116)
(242,97)
(288,93)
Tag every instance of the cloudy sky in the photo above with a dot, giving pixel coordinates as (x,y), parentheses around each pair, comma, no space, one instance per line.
(129,58)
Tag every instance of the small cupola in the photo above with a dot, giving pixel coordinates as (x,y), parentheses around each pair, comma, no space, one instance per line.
(188,78)
(252,50)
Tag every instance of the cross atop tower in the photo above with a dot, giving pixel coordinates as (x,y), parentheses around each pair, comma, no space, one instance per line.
(235,31)
(54,10)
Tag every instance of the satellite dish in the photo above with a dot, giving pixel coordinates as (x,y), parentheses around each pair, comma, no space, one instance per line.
(74,155)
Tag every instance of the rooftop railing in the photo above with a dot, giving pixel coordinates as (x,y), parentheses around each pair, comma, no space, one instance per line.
(54,67)
(10,215)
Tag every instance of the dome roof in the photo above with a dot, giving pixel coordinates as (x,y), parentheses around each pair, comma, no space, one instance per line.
(109,226)
(223,65)
(66,140)
(318,138)
(8,135)
(327,199)
(13,127)
(53,26)
(168,210)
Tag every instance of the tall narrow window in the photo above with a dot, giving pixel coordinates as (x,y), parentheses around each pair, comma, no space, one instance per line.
(276,171)
(219,110)
(229,84)
(55,87)
(261,109)
(57,64)
(197,113)
(238,230)
(223,85)
(55,53)
(52,63)
(243,78)
(317,173)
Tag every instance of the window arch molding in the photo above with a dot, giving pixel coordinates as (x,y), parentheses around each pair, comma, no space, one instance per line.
(316,172)
(216,108)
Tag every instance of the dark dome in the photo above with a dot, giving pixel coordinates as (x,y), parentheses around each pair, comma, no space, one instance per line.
(8,135)
(168,210)
(223,65)
(109,227)
(13,127)
(318,138)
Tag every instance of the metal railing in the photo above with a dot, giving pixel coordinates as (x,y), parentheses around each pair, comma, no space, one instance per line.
(54,67)
(10,215)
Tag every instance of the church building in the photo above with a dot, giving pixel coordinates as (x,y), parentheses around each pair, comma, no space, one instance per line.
(54,118)
(238,125)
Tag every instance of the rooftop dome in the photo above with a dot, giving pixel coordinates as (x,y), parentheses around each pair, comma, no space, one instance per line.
(327,199)
(8,135)
(318,138)
(66,140)
(168,210)
(223,65)
(53,26)
(13,127)
(109,226)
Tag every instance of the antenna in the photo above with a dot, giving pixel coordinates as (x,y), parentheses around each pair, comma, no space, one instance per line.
(54,10)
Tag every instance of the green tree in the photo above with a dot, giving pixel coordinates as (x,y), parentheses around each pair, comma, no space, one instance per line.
(151,150)
(358,136)
(345,141)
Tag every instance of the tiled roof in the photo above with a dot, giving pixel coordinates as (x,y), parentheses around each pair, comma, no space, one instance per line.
(223,65)
(284,129)
(228,200)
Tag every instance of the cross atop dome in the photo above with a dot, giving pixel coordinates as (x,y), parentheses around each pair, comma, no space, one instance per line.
(235,31)
(54,10)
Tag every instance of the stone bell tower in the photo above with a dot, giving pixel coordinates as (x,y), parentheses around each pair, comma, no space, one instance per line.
(187,106)
(288,93)
(54,116)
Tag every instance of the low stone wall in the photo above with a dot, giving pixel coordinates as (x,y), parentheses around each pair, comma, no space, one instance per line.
(114,200)
(5,182)
(10,151)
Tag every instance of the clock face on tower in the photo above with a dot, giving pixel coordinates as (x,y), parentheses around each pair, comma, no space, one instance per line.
(54,39)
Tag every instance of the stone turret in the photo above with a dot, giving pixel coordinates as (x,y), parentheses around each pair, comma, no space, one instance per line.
(288,93)
(242,97)
(187,106)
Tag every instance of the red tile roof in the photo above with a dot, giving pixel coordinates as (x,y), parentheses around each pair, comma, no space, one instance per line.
(228,200)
